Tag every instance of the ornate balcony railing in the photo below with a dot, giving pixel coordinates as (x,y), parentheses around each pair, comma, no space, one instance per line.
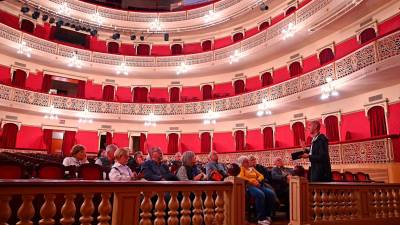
(343,203)
(374,52)
(270,36)
(184,20)
(136,202)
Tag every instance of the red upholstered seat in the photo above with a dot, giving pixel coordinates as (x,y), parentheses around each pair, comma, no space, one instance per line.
(90,172)
(348,176)
(362,177)
(50,171)
(11,170)
(337,176)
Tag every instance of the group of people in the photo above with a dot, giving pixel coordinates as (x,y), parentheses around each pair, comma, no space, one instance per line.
(264,185)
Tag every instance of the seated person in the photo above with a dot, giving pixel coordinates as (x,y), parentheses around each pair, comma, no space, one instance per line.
(176,163)
(108,160)
(260,168)
(280,177)
(264,197)
(120,171)
(188,170)
(214,170)
(154,170)
(77,158)
(135,162)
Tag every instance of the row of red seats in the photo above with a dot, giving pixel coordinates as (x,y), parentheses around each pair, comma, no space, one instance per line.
(350,177)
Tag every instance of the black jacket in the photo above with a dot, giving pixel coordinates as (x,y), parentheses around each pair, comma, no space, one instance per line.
(320,170)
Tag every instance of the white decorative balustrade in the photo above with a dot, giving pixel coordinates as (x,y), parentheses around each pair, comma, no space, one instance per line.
(270,36)
(379,50)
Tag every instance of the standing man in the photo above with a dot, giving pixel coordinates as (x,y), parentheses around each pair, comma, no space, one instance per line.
(320,170)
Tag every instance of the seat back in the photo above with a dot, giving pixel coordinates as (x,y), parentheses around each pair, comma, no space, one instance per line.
(337,176)
(11,170)
(90,172)
(50,171)
(362,177)
(348,176)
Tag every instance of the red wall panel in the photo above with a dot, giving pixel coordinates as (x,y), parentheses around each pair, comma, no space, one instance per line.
(253,83)
(191,48)
(191,92)
(89,139)
(190,142)
(283,137)
(389,25)
(97,45)
(121,139)
(346,47)
(157,140)
(159,93)
(254,140)
(310,63)
(30,137)
(34,81)
(394,118)
(277,18)
(93,91)
(9,19)
(223,142)
(357,124)
(160,50)
(5,76)
(127,49)
(280,75)
(123,94)
(222,42)
(251,32)
(224,88)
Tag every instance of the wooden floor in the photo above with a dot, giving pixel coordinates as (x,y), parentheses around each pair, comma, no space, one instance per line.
(279,219)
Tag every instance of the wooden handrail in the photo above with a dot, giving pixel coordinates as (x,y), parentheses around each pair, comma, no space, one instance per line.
(343,203)
(223,203)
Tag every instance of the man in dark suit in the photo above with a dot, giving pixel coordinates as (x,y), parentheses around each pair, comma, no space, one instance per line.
(320,170)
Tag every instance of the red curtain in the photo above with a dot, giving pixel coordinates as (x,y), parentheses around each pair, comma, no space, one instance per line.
(143,49)
(174,94)
(9,135)
(239,87)
(332,128)
(266,79)
(176,49)
(19,78)
(239,140)
(207,92)
(295,69)
(140,94)
(173,143)
(27,26)
(108,138)
(46,83)
(205,140)
(326,56)
(108,93)
(237,37)
(47,139)
(377,121)
(142,141)
(298,133)
(68,142)
(367,35)
(263,26)
(206,45)
(113,47)
(268,135)
(290,10)
(81,89)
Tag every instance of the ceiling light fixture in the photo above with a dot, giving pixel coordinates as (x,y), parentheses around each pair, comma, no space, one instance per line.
(210,16)
(23,49)
(52,114)
(150,120)
(183,68)
(84,117)
(64,9)
(263,108)
(237,55)
(97,18)
(289,31)
(210,117)
(156,25)
(74,61)
(328,90)
(122,69)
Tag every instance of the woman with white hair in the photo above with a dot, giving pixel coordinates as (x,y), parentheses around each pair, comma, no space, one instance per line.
(188,170)
(264,197)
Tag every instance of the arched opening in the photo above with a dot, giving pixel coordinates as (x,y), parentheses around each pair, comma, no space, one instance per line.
(143,50)
(113,47)
(377,121)
(207,92)
(27,26)
(295,69)
(239,140)
(332,128)
(173,143)
(326,56)
(298,133)
(9,135)
(367,35)
(266,79)
(239,87)
(176,49)
(108,93)
(264,25)
(19,78)
(268,135)
(205,141)
(206,45)
(237,37)
(174,94)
